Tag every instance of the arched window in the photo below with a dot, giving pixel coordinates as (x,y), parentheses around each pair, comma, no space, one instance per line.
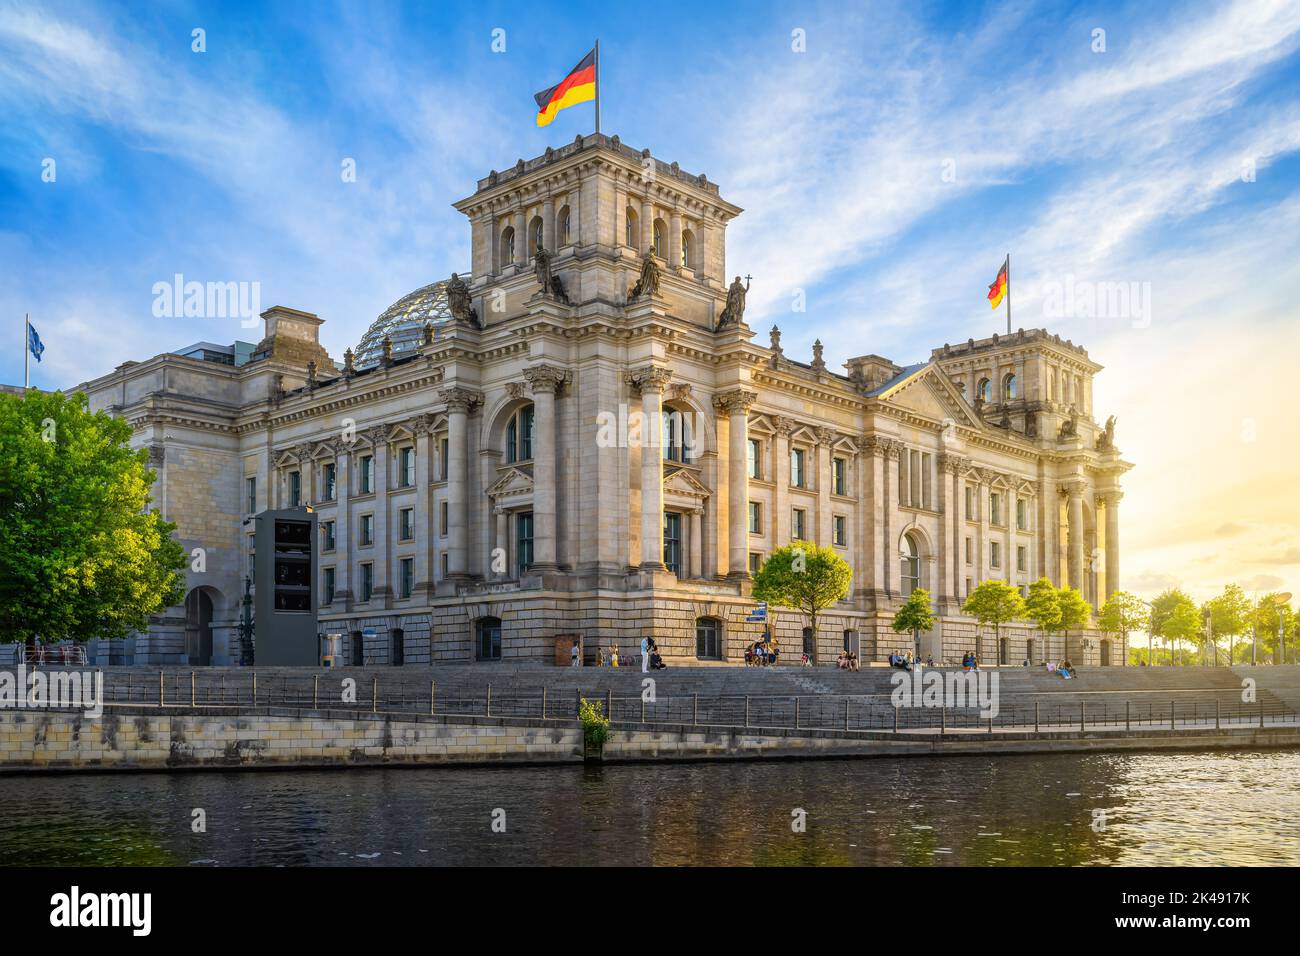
(676,438)
(631,232)
(487,639)
(660,242)
(535,233)
(519,435)
(708,638)
(1009,387)
(984,390)
(688,249)
(565,236)
(911,565)
(1051,386)
(507,245)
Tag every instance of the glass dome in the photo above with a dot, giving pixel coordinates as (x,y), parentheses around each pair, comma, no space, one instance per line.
(403,322)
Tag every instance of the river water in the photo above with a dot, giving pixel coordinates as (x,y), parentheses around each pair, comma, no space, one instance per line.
(1234,808)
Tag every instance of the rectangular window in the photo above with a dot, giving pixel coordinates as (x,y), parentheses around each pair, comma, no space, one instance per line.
(252,557)
(797,476)
(968,587)
(367,465)
(523,541)
(367,535)
(367,581)
(329,476)
(406,524)
(970,551)
(444,564)
(406,577)
(442,519)
(328,589)
(755,517)
(970,503)
(250,491)
(755,452)
(327,529)
(1022,558)
(295,489)
(995,508)
(841,526)
(406,467)
(442,459)
(673,541)
(841,470)
(755,562)
(1021,514)
(995,554)
(799,524)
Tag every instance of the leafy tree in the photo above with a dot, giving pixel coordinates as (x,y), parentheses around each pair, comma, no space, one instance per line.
(1173,616)
(1229,614)
(993,602)
(1075,611)
(80,557)
(1122,613)
(1043,607)
(1265,617)
(805,578)
(916,616)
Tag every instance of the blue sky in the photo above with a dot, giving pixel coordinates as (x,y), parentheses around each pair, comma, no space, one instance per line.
(885,171)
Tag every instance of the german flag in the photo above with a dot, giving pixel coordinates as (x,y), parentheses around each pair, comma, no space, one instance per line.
(578,87)
(998,290)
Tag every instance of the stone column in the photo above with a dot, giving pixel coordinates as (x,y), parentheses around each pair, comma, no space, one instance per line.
(548,224)
(424,515)
(575,214)
(1112,542)
(306,475)
(1010,546)
(675,241)
(647,226)
(697,542)
(950,550)
(502,540)
(982,536)
(651,380)
(383,553)
(620,217)
(1076,564)
(894,451)
(342,529)
(736,403)
(521,241)
(781,493)
(545,381)
(1049,564)
(459,401)
(824,532)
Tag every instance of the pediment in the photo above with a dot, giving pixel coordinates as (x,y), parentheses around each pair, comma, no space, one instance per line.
(682,482)
(515,481)
(931,395)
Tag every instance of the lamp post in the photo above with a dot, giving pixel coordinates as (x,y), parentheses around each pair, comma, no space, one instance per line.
(1280,601)
(246,625)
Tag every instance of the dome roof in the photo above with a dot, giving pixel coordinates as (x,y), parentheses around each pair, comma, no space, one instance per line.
(403,322)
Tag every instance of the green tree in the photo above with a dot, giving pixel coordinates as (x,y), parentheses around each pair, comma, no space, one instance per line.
(1269,612)
(80,557)
(916,616)
(1075,612)
(993,602)
(1043,607)
(1171,613)
(1123,613)
(1229,614)
(805,578)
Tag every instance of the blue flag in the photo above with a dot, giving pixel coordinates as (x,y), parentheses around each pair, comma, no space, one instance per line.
(34,344)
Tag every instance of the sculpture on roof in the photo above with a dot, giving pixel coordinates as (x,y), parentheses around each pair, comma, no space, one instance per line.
(550,283)
(458,301)
(734,311)
(648,283)
(1106,440)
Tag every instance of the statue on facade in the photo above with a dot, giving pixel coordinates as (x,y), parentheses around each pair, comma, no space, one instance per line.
(777,354)
(550,283)
(1106,440)
(648,282)
(311,376)
(348,369)
(818,363)
(734,311)
(1070,427)
(458,301)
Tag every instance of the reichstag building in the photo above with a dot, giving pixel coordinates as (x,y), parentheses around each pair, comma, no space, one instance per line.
(581,436)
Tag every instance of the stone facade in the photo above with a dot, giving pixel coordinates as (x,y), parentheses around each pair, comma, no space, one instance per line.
(502,483)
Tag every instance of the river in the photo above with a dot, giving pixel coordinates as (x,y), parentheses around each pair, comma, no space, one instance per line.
(1197,808)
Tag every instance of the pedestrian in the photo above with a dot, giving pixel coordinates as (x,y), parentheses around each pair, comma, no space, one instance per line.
(577,660)
(645,654)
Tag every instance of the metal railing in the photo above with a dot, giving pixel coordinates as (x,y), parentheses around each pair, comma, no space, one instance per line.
(1037,712)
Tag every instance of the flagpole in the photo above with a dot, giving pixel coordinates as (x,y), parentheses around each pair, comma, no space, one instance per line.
(597,86)
(27,351)
(1008,293)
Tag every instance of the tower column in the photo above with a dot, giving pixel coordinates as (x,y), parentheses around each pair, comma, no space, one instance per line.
(459,402)
(736,404)
(1075,564)
(545,381)
(647,226)
(1112,542)
(651,380)
(521,239)
(548,224)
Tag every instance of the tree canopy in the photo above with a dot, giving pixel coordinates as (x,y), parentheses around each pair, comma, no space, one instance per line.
(803,577)
(994,602)
(916,615)
(80,556)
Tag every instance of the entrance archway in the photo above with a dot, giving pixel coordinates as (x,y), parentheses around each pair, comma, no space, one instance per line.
(198,627)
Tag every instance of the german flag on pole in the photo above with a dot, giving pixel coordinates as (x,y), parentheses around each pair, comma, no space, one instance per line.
(998,290)
(578,87)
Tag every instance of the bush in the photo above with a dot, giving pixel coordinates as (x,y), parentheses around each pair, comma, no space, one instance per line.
(595,725)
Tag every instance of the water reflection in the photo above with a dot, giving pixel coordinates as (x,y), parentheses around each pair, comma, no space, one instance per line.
(1156,809)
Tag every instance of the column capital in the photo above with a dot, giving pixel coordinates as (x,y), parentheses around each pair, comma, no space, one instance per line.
(649,378)
(735,401)
(421,425)
(1073,489)
(953,464)
(1110,499)
(460,399)
(784,426)
(825,436)
(546,378)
